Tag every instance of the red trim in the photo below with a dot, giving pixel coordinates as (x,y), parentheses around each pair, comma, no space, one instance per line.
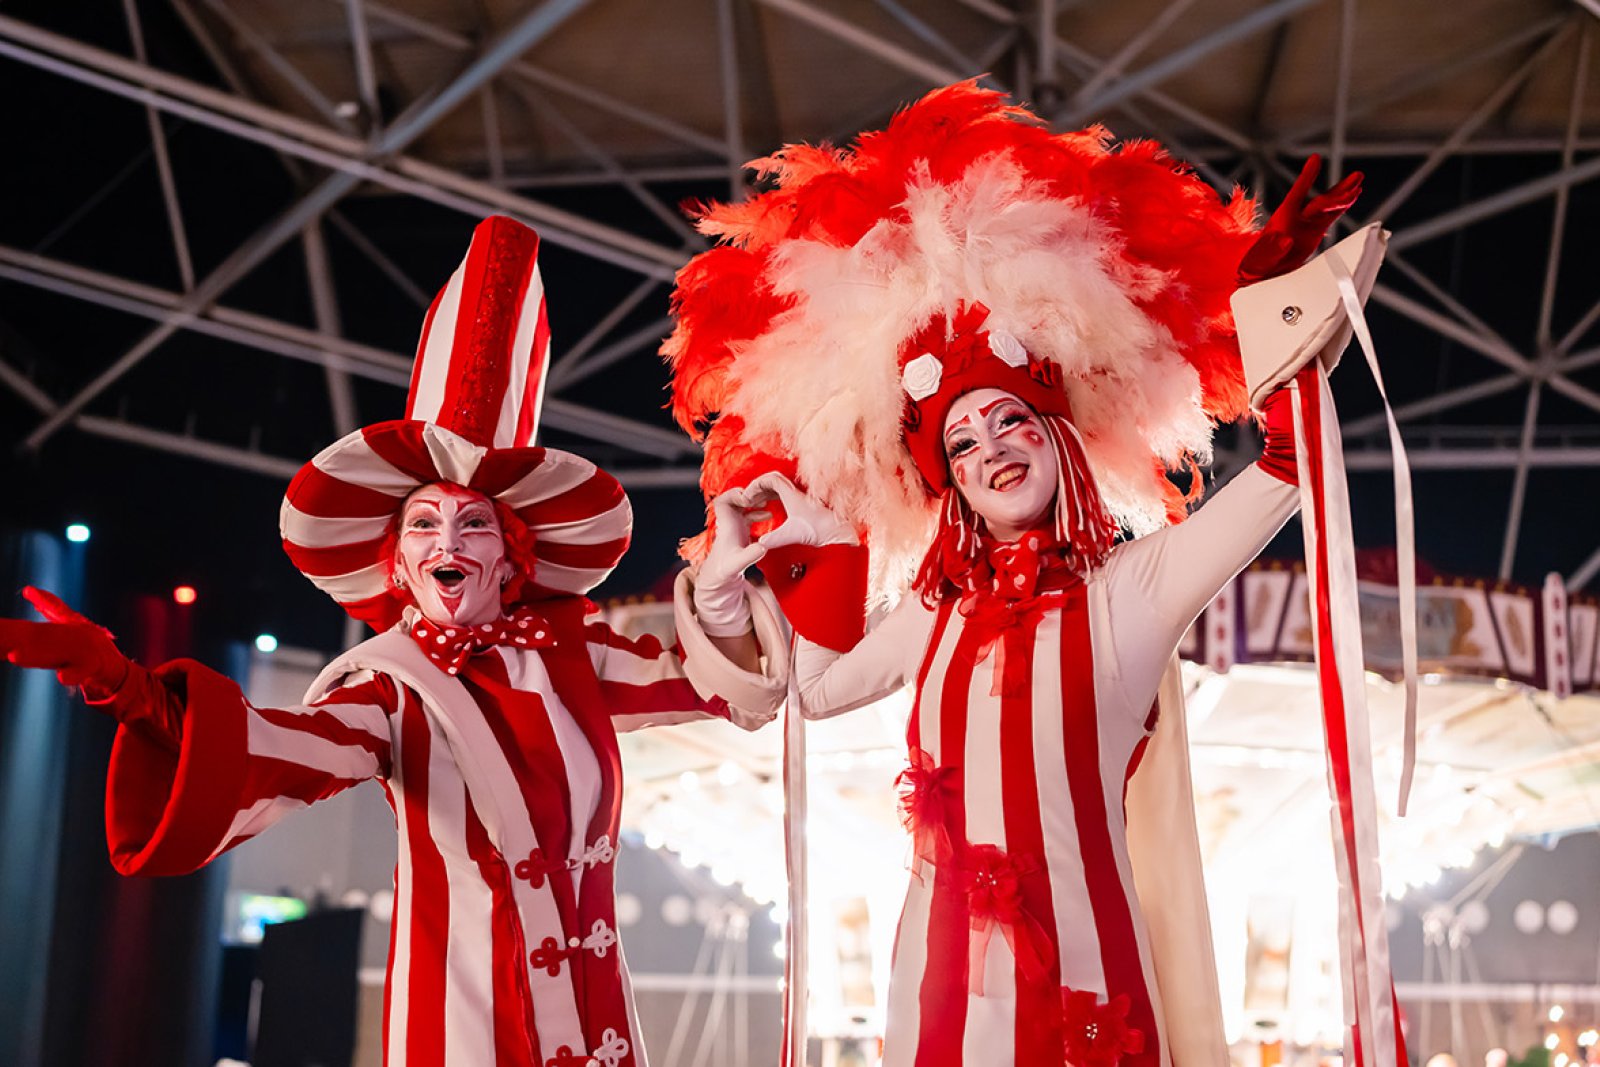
(428,934)
(538,363)
(945,976)
(416,362)
(1108,896)
(1037,1027)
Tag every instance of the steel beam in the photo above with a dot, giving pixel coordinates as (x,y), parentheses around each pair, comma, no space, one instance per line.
(1132,49)
(1585,572)
(1558,224)
(1519,481)
(1472,459)
(252,40)
(732,124)
(1259,19)
(325,306)
(619,311)
(280,338)
(651,332)
(361,53)
(1463,132)
(1499,203)
(840,29)
(296,137)
(158,145)
(1496,350)
(1432,405)
(588,95)
(386,266)
(193,447)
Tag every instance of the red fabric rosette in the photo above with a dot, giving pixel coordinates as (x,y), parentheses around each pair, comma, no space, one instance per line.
(994,898)
(924,788)
(1097,1035)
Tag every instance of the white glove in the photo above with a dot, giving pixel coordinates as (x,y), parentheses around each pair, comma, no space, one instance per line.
(719,586)
(806,520)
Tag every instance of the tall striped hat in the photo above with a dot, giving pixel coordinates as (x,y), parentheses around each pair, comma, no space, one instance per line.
(473,410)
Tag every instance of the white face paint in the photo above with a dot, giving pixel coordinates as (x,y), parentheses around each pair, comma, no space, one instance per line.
(1001,461)
(451,556)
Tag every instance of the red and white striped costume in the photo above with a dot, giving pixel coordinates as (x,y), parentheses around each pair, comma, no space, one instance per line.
(506,787)
(1038,775)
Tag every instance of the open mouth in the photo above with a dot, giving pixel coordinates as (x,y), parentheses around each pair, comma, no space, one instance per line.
(1008,476)
(448,577)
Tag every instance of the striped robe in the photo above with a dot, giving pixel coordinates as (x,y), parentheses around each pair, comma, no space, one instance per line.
(506,787)
(1035,780)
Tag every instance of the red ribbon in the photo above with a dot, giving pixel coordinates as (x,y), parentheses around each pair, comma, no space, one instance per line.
(923,788)
(994,898)
(999,624)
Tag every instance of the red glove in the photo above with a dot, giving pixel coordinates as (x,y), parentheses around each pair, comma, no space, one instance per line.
(85,655)
(1293,233)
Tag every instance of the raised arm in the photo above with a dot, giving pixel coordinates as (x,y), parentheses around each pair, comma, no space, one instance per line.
(195,768)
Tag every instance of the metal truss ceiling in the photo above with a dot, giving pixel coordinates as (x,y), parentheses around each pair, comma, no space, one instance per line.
(532,108)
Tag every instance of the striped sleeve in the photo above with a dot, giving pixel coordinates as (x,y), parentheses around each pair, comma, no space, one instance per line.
(643,681)
(238,768)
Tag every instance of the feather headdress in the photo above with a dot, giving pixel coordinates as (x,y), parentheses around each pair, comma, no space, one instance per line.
(1112,262)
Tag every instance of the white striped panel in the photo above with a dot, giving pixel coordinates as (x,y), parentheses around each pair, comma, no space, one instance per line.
(357,585)
(523,360)
(314,531)
(560,472)
(248,822)
(469,950)
(636,1045)
(454,457)
(305,749)
(623,724)
(989,1036)
(400,955)
(620,665)
(608,525)
(434,354)
(568,579)
(351,459)
(1077,942)
(904,1012)
(1119,734)
(577,755)
(911,941)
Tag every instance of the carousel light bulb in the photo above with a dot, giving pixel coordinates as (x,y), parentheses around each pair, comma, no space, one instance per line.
(77,533)
(1561,1059)
(1556,1013)
(266,643)
(1552,1041)
(184,594)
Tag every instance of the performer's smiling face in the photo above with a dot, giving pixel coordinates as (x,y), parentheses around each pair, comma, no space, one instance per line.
(451,555)
(1001,461)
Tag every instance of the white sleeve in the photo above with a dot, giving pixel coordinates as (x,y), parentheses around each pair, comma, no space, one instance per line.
(832,683)
(1175,572)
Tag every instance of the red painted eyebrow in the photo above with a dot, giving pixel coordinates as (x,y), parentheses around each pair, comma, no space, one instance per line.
(991,405)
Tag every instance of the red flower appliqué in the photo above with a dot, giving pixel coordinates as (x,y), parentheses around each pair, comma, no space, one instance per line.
(1097,1035)
(923,788)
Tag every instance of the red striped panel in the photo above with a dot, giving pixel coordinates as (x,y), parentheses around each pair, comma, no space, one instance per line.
(585,557)
(502,468)
(1038,1033)
(668,694)
(267,778)
(400,444)
(329,728)
(599,493)
(494,282)
(333,561)
(429,930)
(516,1040)
(318,493)
(943,996)
(1113,918)
(538,359)
(389,991)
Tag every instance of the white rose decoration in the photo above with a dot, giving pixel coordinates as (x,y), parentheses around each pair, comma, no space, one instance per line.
(1007,349)
(921,377)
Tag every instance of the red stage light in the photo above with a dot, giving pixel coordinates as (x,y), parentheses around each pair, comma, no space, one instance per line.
(184,594)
